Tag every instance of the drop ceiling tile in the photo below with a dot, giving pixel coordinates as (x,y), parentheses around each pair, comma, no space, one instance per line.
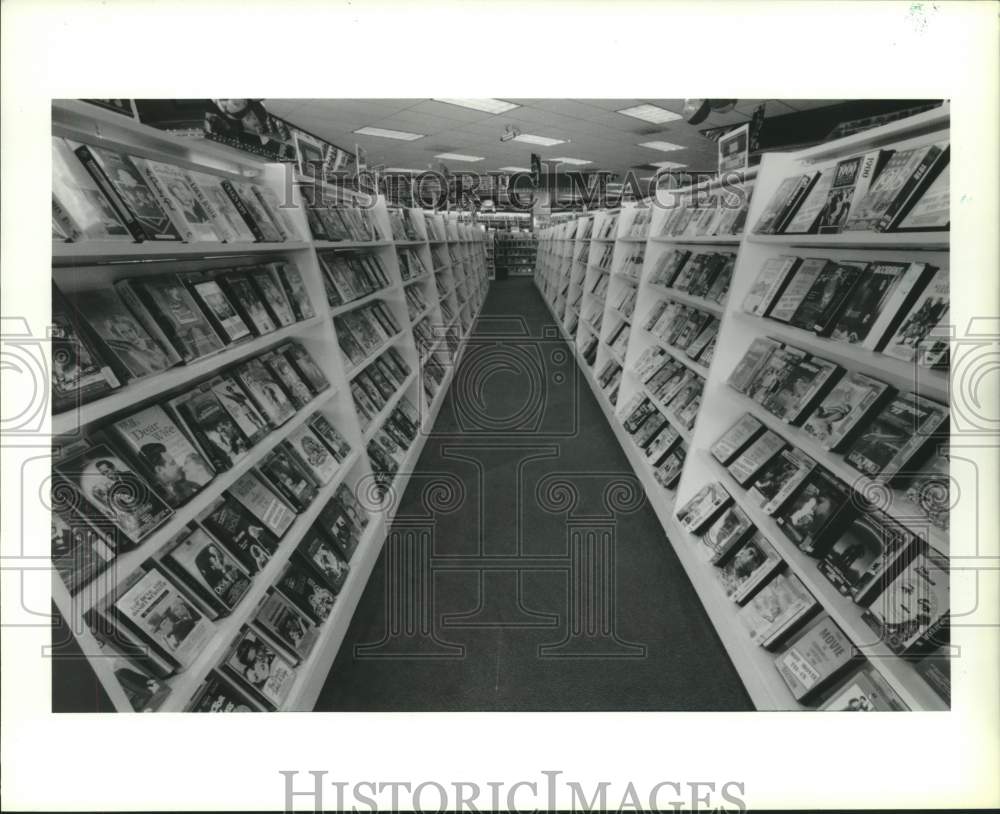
(547,123)
(414,122)
(314,123)
(374,102)
(675,105)
(616,119)
(625,136)
(455,112)
(613,120)
(338,125)
(334,117)
(325,106)
(466,137)
(491,133)
(531,115)
(369,108)
(592,129)
(567,107)
(611,104)
(716,119)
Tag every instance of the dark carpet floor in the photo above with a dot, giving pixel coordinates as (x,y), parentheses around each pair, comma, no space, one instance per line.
(525,569)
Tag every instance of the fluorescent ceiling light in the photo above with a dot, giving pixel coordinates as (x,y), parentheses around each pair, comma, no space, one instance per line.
(544,141)
(485,105)
(514,169)
(401,169)
(651,113)
(459,157)
(663,146)
(572,160)
(401,135)
(668,165)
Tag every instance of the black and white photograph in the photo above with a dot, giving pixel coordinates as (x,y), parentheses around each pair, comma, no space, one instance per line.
(537,414)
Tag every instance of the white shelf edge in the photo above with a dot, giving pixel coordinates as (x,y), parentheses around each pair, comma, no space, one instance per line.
(127,561)
(186,683)
(313,674)
(702,304)
(380,418)
(882,241)
(111,251)
(347,307)
(904,376)
(678,355)
(834,462)
(359,368)
(841,609)
(131,394)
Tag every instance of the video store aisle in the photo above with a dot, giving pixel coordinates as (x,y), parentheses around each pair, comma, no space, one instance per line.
(525,569)
(688,465)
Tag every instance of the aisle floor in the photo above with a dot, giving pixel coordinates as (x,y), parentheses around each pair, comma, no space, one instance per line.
(526,569)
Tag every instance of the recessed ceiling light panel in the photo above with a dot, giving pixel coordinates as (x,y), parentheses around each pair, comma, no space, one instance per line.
(381,132)
(651,113)
(485,105)
(514,169)
(668,165)
(542,141)
(459,157)
(662,146)
(572,160)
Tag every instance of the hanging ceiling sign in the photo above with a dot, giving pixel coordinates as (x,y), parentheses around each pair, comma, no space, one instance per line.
(734,150)
(536,170)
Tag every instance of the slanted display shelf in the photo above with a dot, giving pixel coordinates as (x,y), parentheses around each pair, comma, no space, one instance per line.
(663,291)
(401,247)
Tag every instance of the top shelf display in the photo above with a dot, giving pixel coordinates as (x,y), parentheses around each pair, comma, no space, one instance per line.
(870,193)
(126,192)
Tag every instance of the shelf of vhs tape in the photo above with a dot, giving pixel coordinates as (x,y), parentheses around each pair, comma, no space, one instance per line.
(817,479)
(514,253)
(595,286)
(210,476)
(553,264)
(689,265)
(577,273)
(614,243)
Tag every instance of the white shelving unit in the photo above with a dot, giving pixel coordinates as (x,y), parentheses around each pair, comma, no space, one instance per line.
(80,266)
(721,406)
